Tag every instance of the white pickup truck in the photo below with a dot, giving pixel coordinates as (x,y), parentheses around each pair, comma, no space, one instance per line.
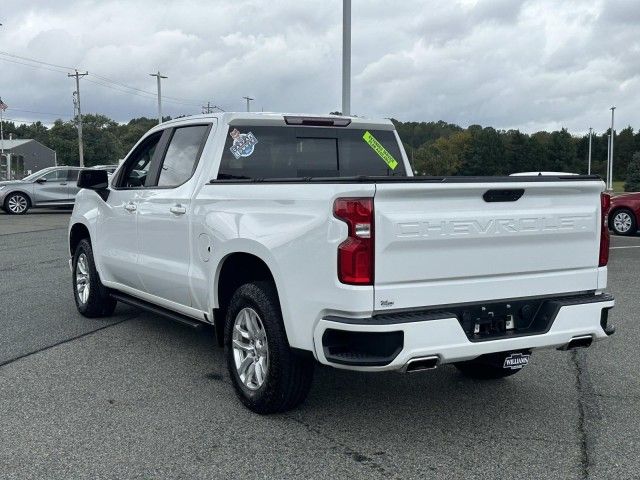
(306,239)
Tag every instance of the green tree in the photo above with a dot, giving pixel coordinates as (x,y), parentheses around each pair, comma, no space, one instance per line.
(486,154)
(522,152)
(633,174)
(623,150)
(562,152)
(63,138)
(444,156)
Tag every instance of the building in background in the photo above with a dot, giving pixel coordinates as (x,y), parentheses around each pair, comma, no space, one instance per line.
(24,157)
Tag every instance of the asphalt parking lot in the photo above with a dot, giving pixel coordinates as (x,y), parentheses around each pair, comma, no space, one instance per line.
(140,397)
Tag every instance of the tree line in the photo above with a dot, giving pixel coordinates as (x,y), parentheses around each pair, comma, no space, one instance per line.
(105,141)
(434,148)
(440,148)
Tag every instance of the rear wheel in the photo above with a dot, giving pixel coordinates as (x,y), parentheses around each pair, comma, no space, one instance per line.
(494,365)
(17,204)
(267,375)
(623,222)
(91,296)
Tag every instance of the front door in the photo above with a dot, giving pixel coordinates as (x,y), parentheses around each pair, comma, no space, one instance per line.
(163,217)
(118,233)
(51,188)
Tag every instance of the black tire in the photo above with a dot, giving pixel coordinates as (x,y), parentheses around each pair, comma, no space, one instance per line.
(19,197)
(490,367)
(289,375)
(98,303)
(633,228)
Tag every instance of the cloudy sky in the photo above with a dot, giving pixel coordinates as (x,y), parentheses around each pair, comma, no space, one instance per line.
(533,65)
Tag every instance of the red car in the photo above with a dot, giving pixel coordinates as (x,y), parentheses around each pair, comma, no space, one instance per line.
(625,214)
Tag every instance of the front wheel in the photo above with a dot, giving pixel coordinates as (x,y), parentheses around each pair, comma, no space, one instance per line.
(494,365)
(91,296)
(267,375)
(16,204)
(623,222)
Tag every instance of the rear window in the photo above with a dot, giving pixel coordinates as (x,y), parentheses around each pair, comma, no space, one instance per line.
(297,152)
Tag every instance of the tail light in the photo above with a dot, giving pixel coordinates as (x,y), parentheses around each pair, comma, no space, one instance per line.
(605,204)
(355,254)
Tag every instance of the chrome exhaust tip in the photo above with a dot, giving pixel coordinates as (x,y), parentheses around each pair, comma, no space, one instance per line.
(420,364)
(583,341)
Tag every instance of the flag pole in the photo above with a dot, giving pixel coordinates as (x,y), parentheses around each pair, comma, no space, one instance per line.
(2,136)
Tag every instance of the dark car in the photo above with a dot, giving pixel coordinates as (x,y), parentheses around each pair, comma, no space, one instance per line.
(625,213)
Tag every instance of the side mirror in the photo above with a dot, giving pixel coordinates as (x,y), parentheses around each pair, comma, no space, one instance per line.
(41,180)
(97,180)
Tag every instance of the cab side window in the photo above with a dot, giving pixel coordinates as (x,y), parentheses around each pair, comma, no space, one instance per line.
(135,173)
(73,175)
(182,155)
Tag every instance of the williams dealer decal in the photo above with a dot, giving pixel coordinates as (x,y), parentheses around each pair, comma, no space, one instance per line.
(516,361)
(243,143)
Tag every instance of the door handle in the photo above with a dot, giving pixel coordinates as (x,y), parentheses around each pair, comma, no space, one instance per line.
(63,183)
(130,207)
(178,210)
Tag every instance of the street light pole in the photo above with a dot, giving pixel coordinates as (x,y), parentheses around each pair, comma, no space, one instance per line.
(159,76)
(346,57)
(611,156)
(248,99)
(590,132)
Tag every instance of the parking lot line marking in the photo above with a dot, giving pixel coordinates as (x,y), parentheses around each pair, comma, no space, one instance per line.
(627,246)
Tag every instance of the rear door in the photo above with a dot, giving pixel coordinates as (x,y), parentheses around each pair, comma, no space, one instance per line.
(72,184)
(163,220)
(443,243)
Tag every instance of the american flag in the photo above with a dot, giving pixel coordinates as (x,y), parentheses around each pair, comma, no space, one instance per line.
(3,106)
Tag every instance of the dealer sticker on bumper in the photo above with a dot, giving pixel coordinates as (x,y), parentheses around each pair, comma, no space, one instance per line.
(516,361)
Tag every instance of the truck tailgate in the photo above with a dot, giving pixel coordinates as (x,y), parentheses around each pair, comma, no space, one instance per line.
(443,243)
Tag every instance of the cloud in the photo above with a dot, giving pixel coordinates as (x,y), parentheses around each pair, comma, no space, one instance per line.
(532,64)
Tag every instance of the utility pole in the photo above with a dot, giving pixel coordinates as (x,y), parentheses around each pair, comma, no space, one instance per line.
(159,76)
(346,57)
(589,170)
(611,156)
(77,76)
(208,108)
(248,99)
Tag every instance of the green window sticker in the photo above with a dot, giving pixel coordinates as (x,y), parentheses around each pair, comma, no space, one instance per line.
(380,150)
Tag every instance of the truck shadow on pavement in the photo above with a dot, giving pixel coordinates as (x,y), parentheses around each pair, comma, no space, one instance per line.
(377,414)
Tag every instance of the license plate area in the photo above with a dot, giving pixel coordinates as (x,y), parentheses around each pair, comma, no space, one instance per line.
(490,321)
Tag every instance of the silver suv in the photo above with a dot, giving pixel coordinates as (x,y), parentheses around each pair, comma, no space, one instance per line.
(50,187)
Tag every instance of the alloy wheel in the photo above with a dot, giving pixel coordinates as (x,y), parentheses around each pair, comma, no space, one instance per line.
(82,278)
(250,348)
(17,204)
(622,222)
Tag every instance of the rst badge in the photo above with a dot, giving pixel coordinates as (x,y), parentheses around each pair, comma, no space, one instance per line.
(516,361)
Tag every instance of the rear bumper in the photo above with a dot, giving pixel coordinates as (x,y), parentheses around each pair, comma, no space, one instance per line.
(441,334)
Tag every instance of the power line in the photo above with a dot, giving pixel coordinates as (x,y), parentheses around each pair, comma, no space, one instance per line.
(42,65)
(40,113)
(182,100)
(105,81)
(39,67)
(34,60)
